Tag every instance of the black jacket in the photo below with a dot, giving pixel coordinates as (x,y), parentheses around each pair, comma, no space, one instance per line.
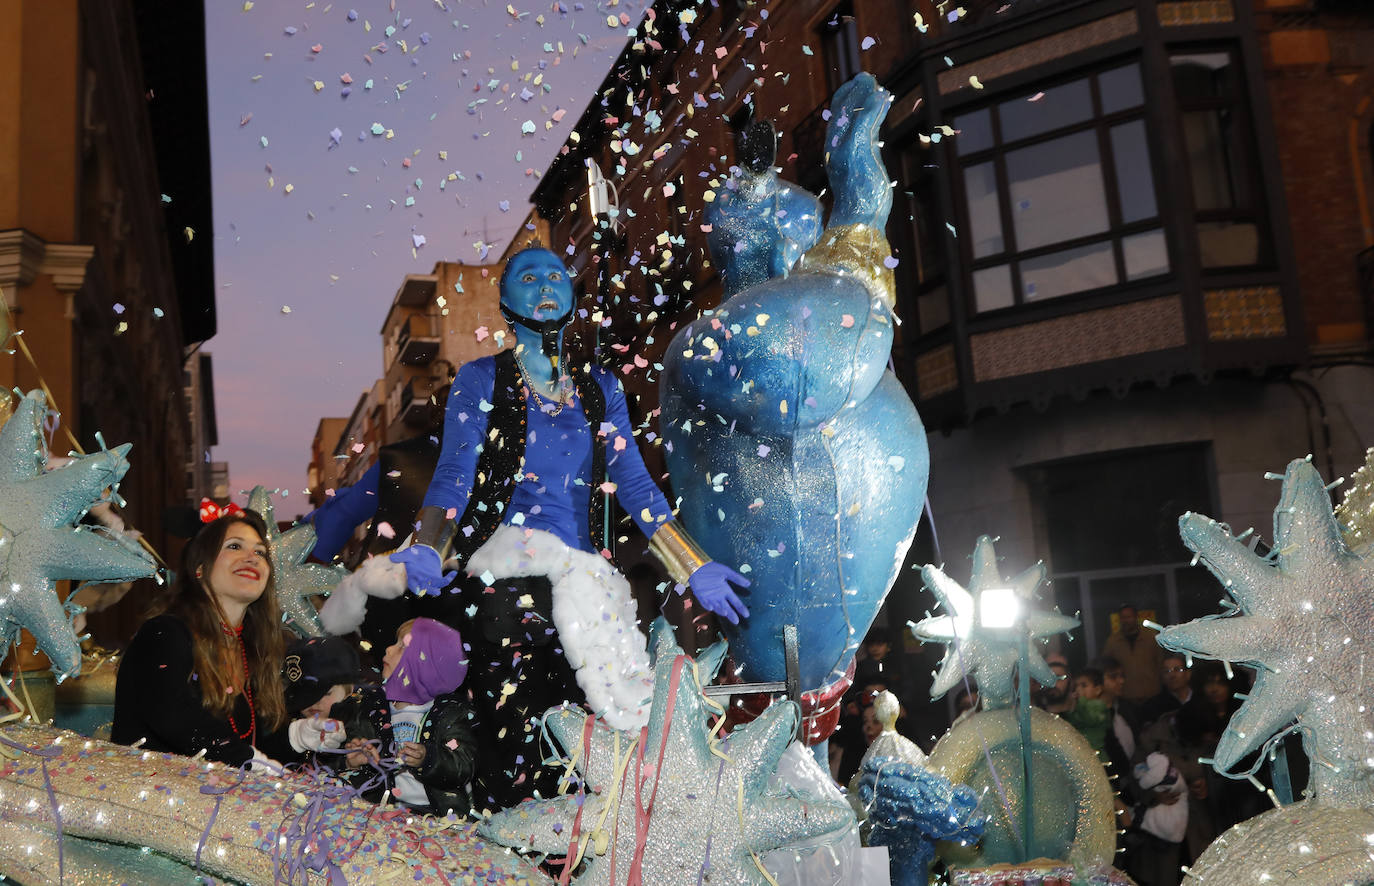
(158,699)
(446,733)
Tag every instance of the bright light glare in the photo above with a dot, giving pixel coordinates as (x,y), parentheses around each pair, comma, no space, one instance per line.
(998,608)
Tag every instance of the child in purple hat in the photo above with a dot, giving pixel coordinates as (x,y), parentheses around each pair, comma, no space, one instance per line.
(416,728)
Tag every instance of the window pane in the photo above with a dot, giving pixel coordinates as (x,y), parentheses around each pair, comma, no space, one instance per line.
(1134,180)
(1049,110)
(992,288)
(1056,191)
(1228,244)
(932,309)
(1147,255)
(1203,75)
(1210,140)
(984,211)
(975,131)
(1120,89)
(1073,270)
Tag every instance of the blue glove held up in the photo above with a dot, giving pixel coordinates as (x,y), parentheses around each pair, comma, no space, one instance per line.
(425,573)
(711,586)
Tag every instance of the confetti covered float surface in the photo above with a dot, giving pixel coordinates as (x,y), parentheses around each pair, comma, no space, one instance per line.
(1303,618)
(247,828)
(671,803)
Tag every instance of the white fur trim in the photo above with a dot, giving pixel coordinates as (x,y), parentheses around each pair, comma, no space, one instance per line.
(594,612)
(343,612)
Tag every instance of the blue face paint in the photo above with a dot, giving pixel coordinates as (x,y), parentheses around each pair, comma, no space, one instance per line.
(537,286)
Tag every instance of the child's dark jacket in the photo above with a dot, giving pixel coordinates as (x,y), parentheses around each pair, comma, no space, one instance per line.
(446,733)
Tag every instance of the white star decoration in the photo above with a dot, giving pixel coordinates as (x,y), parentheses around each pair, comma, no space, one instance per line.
(670,801)
(296,580)
(39,541)
(1306,624)
(987,654)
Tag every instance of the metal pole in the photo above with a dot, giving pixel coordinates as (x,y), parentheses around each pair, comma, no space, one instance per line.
(1023,708)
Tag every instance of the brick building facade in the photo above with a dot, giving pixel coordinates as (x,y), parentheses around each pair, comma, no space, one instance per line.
(1130,238)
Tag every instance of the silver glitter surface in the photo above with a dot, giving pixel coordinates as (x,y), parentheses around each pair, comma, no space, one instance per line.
(40,542)
(1304,619)
(988,655)
(296,580)
(251,828)
(1356,510)
(1071,798)
(1305,844)
(671,802)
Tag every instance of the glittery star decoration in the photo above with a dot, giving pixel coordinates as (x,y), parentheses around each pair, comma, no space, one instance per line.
(296,580)
(670,804)
(989,655)
(1356,510)
(40,542)
(1306,624)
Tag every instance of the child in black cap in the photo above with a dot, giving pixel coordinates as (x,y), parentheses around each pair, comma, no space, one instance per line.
(317,673)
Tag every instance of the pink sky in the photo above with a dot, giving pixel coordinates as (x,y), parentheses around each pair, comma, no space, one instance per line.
(335,248)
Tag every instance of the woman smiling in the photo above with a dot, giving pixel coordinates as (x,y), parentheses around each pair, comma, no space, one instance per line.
(206,673)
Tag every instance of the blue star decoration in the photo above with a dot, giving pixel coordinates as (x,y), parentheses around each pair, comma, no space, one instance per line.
(296,580)
(670,801)
(1303,617)
(988,655)
(40,541)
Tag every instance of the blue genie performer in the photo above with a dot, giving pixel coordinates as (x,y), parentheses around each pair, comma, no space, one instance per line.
(528,447)
(792,447)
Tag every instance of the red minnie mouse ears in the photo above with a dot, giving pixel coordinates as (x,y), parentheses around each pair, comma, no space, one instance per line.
(210,512)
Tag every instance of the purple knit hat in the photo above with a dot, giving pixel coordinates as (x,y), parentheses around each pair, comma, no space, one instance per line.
(432,663)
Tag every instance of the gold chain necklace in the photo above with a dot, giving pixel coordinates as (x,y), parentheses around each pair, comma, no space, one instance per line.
(539,401)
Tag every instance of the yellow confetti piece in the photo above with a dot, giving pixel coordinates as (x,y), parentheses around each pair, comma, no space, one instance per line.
(121,329)
(247,5)
(189,233)
(319,84)
(973,81)
(782,407)
(288,189)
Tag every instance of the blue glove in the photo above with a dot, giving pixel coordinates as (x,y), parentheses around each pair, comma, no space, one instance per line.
(425,573)
(711,586)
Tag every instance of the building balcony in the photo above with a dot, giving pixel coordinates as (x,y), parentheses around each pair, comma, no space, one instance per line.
(417,342)
(416,394)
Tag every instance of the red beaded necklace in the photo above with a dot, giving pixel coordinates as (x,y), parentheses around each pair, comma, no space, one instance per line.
(247,688)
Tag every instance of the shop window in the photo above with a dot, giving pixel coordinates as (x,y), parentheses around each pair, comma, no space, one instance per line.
(1102,555)
(1058,191)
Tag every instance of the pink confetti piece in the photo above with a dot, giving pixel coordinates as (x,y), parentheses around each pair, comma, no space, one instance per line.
(847,320)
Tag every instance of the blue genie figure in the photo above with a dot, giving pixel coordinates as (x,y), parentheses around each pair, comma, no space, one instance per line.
(792,447)
(529,445)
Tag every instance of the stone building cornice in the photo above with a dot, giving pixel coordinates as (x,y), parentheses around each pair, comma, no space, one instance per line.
(24,255)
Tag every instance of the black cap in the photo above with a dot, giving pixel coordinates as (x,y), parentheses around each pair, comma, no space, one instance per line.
(313,666)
